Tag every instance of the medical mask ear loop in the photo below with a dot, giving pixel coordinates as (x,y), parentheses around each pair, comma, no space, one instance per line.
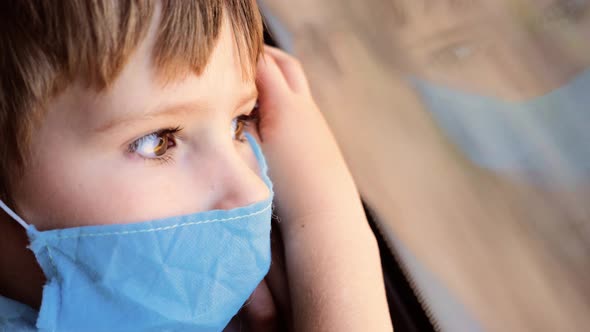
(13,215)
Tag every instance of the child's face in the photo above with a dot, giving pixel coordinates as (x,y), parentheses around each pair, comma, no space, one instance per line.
(92,166)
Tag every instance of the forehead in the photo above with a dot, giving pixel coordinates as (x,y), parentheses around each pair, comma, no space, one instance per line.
(139,88)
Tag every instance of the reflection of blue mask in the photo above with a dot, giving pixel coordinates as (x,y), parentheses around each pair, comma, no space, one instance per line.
(548,136)
(187,273)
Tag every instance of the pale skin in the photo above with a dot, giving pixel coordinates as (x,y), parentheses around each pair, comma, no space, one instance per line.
(83,172)
(331,255)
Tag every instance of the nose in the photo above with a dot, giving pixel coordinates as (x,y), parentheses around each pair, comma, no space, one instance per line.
(240,180)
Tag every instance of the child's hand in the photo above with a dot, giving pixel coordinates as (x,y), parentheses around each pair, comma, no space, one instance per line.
(307,168)
(331,255)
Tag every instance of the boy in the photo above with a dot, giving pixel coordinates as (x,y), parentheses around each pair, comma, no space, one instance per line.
(131,168)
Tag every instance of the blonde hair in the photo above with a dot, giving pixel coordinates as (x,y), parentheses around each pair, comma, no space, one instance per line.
(45,45)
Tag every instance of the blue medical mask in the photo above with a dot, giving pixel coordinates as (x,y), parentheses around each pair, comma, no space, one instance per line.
(547,137)
(187,273)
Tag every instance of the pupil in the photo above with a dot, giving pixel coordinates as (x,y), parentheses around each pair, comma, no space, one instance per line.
(239,127)
(160,149)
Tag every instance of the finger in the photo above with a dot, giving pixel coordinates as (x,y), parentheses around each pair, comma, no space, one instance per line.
(273,91)
(291,68)
(260,313)
(270,81)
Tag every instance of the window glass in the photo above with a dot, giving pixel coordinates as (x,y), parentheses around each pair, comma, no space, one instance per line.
(466,124)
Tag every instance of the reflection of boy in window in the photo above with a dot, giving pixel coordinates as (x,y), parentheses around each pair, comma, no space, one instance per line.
(507,80)
(494,48)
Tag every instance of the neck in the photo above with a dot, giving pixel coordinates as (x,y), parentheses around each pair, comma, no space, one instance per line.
(21,278)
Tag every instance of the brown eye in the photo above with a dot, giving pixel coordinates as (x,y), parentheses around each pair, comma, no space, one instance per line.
(153,145)
(237,128)
(161,146)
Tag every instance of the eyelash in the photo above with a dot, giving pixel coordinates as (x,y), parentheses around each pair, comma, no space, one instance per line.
(171,135)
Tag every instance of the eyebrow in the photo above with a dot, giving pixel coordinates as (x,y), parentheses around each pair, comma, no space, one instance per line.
(169,111)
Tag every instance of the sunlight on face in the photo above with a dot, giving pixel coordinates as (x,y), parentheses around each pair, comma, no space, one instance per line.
(141,150)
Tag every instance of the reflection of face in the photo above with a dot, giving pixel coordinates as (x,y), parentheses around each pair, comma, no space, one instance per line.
(512,49)
(142,150)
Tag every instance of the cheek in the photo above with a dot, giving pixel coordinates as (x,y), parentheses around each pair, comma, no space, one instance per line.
(60,197)
(248,155)
(69,193)
(78,187)
(250,160)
